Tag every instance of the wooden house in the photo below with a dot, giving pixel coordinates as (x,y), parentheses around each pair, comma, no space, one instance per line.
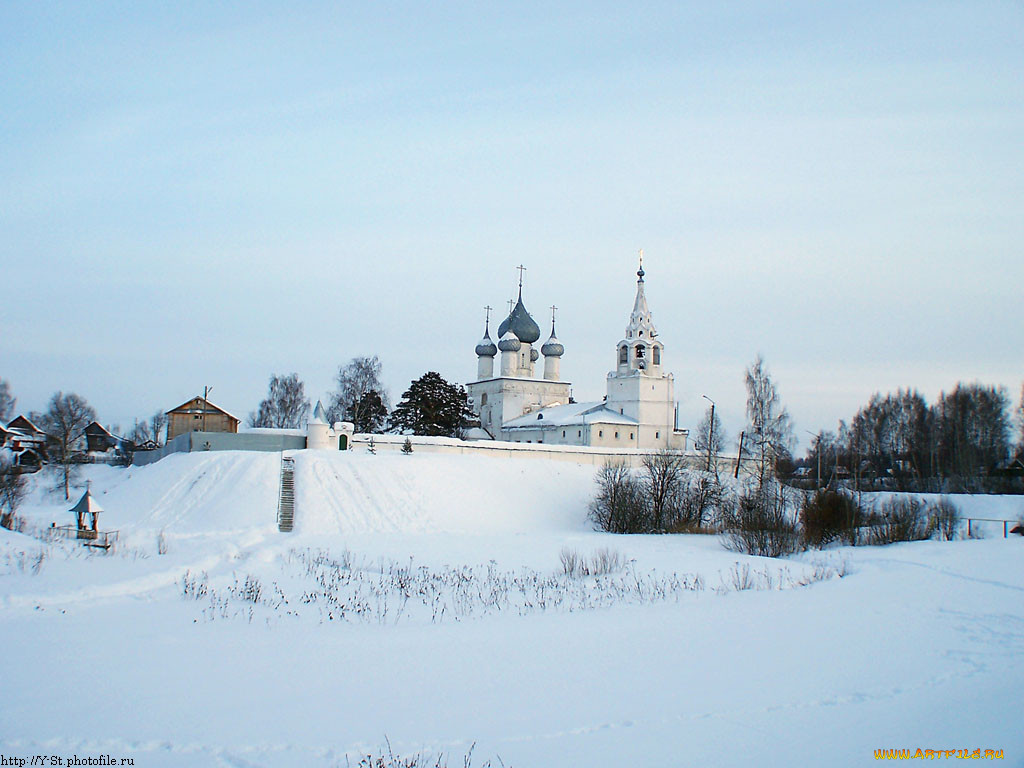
(199,415)
(98,438)
(22,434)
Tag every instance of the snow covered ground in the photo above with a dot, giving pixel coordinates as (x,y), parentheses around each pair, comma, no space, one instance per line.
(419,599)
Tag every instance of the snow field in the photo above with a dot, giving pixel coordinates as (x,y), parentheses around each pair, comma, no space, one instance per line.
(916,645)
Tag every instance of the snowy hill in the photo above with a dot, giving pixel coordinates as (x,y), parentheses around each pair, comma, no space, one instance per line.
(420,598)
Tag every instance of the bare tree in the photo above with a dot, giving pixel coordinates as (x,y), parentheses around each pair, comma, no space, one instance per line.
(769,428)
(356,379)
(619,506)
(7,401)
(1020,423)
(662,480)
(64,421)
(711,437)
(157,422)
(140,433)
(285,406)
(13,488)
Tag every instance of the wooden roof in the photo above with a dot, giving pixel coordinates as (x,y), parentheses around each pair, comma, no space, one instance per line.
(95,428)
(195,405)
(21,422)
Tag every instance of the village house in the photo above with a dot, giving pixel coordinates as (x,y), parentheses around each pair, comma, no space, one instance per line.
(199,415)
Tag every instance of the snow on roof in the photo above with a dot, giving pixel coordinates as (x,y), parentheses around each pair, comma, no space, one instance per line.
(271,431)
(566,415)
(87,504)
(27,424)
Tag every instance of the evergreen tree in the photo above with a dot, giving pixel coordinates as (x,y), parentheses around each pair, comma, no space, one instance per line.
(432,406)
(356,379)
(407,446)
(369,413)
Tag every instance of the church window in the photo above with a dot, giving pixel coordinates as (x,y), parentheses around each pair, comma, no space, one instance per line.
(657,435)
(616,435)
(620,410)
(630,435)
(657,355)
(579,433)
(600,433)
(623,355)
(639,351)
(483,399)
(641,334)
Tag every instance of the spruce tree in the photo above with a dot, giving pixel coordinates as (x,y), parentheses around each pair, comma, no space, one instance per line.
(432,406)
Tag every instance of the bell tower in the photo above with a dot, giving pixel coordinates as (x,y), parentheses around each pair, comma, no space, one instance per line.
(637,387)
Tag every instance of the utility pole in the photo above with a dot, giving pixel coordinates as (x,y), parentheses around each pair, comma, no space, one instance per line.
(711,422)
(817,438)
(739,457)
(206,395)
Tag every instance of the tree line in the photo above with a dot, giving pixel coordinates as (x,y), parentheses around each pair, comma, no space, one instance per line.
(963,442)
(430,406)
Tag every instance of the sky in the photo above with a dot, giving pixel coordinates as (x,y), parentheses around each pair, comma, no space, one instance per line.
(206,194)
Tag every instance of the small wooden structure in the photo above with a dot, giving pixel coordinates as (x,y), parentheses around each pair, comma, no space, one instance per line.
(86,529)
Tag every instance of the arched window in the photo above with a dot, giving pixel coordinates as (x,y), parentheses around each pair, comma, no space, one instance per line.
(639,351)
(623,355)
(657,355)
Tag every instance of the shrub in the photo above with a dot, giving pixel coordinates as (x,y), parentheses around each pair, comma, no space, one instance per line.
(943,519)
(902,518)
(760,525)
(603,562)
(827,516)
(407,446)
(700,495)
(620,506)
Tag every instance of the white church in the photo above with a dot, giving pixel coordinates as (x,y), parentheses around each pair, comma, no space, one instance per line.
(638,411)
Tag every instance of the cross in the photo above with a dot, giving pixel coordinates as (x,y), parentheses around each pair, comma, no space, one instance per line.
(641,258)
(487,309)
(510,303)
(553,308)
(521,269)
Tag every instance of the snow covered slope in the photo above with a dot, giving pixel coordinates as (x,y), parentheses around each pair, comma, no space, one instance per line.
(420,599)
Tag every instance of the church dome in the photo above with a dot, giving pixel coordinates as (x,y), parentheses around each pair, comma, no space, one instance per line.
(486,347)
(534,355)
(521,324)
(509,342)
(552,347)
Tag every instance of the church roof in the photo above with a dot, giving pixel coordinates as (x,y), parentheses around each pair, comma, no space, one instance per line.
(520,323)
(569,415)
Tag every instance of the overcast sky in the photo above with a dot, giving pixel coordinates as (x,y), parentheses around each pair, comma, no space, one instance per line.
(205,194)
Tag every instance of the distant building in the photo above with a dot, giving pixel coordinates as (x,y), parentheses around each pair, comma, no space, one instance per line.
(23,434)
(199,415)
(638,411)
(26,441)
(99,439)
